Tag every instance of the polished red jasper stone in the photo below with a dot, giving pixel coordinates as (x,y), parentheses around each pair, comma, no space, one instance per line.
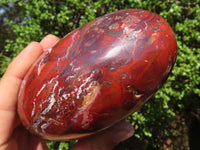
(97,75)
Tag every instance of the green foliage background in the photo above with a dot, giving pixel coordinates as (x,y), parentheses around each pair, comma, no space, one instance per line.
(181,93)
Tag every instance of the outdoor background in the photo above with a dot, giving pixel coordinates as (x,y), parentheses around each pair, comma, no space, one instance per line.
(171,119)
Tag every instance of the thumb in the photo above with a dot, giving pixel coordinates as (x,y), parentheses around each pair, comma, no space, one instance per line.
(107,139)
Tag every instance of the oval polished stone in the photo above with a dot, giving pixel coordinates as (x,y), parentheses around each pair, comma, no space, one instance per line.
(97,75)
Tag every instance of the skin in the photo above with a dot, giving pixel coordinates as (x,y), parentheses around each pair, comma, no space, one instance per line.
(13,136)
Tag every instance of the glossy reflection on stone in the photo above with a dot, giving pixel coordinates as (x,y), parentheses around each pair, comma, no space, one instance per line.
(97,75)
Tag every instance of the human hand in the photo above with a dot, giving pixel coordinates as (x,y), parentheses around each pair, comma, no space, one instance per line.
(14,136)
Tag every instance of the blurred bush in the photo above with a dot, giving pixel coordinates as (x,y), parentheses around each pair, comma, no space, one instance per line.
(181,93)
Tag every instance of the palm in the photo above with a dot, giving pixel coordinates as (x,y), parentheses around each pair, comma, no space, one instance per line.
(24,140)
